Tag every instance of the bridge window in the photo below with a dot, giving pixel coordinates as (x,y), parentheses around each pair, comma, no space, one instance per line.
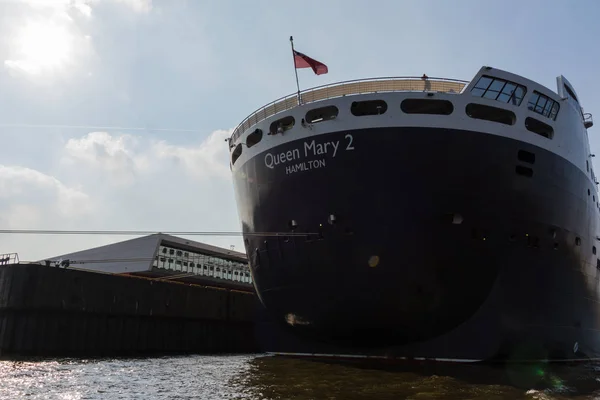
(282,125)
(542,129)
(488,113)
(321,114)
(254,138)
(427,106)
(544,105)
(369,107)
(499,89)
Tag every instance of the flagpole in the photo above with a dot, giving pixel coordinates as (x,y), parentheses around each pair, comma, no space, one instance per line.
(295,69)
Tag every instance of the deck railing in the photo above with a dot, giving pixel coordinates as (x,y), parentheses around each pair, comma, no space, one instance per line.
(346,88)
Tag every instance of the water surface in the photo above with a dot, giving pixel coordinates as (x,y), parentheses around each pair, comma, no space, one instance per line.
(261,377)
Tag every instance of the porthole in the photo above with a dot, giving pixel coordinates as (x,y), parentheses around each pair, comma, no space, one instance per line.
(489,113)
(321,114)
(427,106)
(521,170)
(254,138)
(282,125)
(237,152)
(526,156)
(536,126)
(368,107)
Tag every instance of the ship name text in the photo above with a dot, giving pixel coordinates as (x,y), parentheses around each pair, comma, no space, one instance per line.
(308,149)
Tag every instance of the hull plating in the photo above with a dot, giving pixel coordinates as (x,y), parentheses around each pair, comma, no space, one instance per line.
(441,246)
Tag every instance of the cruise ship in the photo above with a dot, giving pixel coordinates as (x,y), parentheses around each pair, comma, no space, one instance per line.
(424,218)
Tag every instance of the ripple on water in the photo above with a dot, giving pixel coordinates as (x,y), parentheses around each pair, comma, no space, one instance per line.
(257,377)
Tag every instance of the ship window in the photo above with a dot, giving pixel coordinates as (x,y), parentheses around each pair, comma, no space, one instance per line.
(543,105)
(369,107)
(594,249)
(536,126)
(321,114)
(578,241)
(587,166)
(282,125)
(499,89)
(254,138)
(526,156)
(528,172)
(427,106)
(494,114)
(237,152)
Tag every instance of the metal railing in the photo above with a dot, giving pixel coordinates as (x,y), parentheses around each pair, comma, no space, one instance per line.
(353,87)
(9,258)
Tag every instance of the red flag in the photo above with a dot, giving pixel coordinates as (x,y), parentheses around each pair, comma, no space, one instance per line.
(304,61)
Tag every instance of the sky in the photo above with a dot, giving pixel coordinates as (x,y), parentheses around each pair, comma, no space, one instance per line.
(114,113)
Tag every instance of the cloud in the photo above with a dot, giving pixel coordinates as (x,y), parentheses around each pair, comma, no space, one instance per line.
(26,193)
(85,6)
(141,6)
(126,157)
(119,181)
(208,159)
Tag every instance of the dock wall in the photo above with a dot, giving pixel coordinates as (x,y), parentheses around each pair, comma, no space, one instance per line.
(46,311)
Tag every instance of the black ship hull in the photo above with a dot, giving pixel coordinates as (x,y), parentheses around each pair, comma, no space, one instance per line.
(423,243)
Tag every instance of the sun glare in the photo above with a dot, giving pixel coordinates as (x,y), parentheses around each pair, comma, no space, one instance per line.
(42,46)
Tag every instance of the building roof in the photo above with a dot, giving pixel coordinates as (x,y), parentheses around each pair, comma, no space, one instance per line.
(137,255)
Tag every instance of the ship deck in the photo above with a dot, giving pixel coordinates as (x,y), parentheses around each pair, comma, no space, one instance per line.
(348,88)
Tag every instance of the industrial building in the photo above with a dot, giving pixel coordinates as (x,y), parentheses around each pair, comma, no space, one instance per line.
(163,256)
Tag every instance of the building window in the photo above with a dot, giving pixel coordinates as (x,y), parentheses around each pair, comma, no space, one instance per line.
(543,105)
(499,89)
